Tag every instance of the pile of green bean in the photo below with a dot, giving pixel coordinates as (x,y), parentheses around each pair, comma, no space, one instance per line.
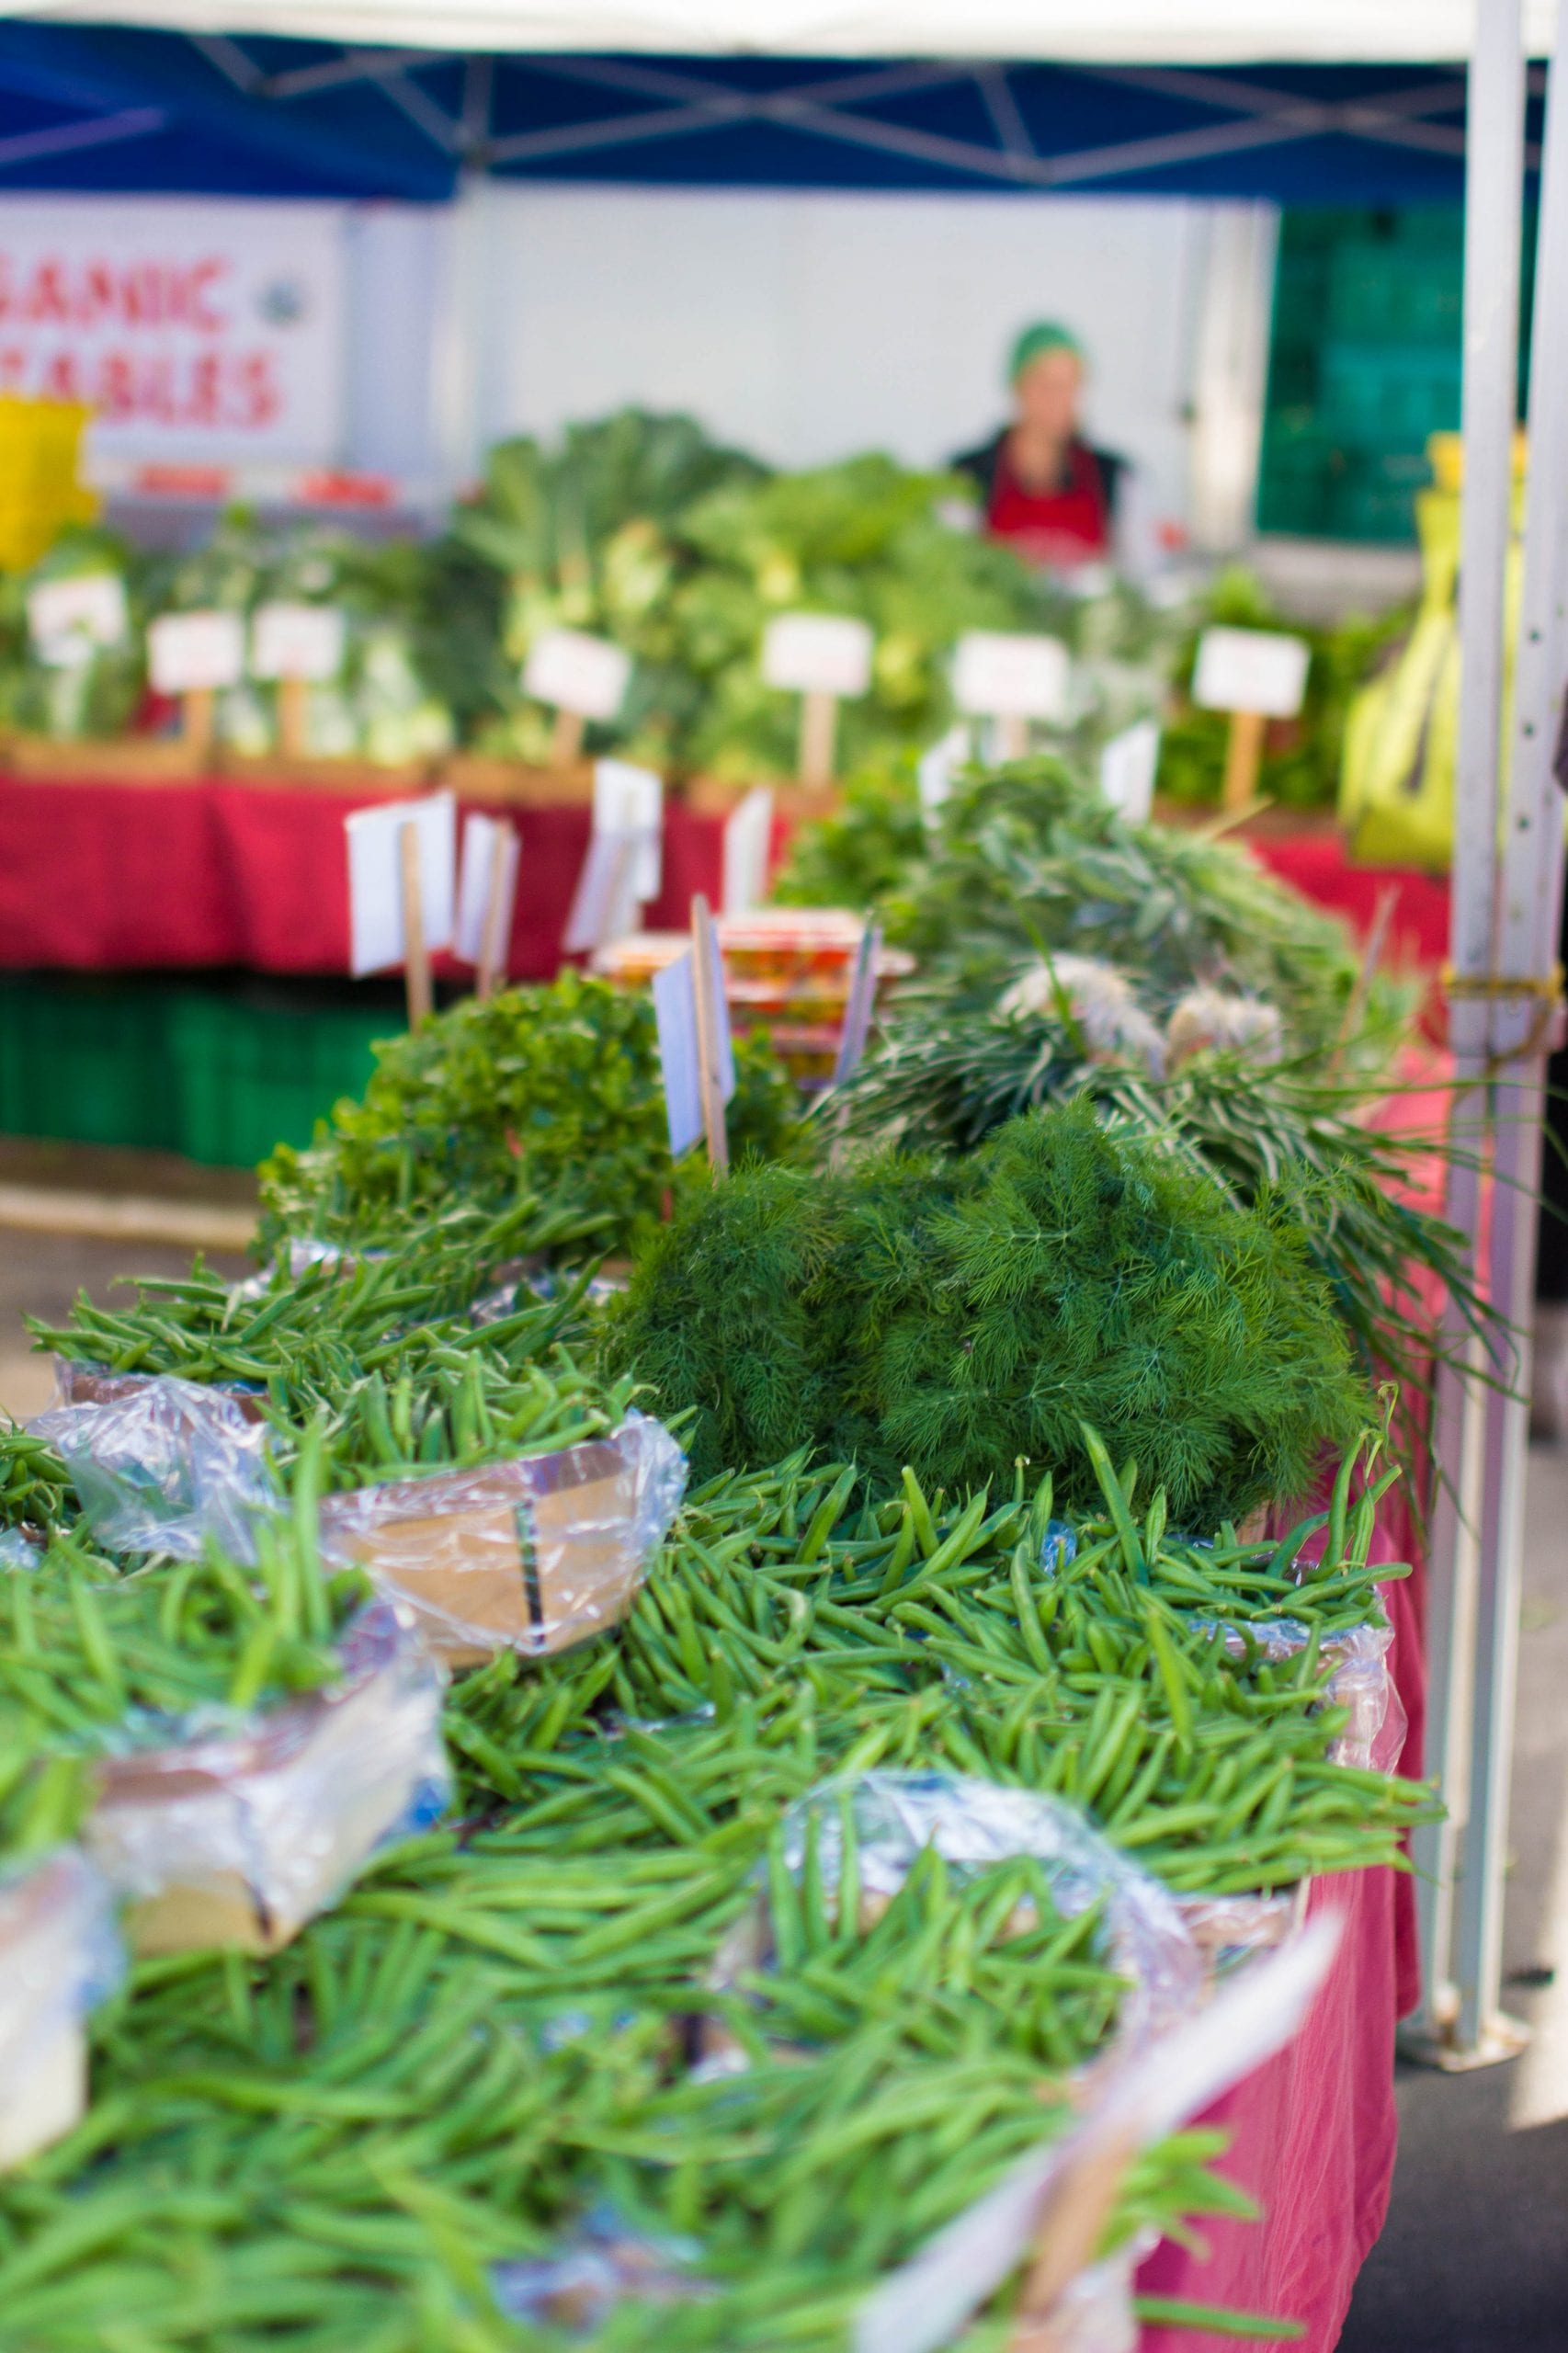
(497,2030)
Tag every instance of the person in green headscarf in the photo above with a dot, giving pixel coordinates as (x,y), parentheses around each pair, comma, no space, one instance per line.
(1043,487)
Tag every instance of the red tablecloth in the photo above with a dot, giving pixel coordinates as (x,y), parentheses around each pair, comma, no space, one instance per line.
(125,876)
(1314,2132)
(1316,863)
(100,876)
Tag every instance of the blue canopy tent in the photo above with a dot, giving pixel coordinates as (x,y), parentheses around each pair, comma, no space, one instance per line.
(114,108)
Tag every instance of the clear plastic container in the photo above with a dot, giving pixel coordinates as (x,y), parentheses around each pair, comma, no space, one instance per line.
(59,1956)
(238,1837)
(533,1554)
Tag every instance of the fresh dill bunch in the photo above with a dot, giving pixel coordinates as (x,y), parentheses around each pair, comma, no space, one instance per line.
(955,1316)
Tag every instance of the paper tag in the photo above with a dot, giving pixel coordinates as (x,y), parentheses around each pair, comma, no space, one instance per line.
(605,903)
(630,800)
(937,769)
(1127,765)
(187,652)
(1002,674)
(748,839)
(862,999)
(572,671)
(375,878)
(1251,669)
(925,2304)
(674,1010)
(826,653)
(69,620)
(484,839)
(296,641)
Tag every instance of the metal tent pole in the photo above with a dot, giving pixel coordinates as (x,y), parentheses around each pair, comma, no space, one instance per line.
(1494,196)
(1519,1004)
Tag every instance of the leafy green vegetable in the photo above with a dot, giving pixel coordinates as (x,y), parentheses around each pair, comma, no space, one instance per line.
(552,1093)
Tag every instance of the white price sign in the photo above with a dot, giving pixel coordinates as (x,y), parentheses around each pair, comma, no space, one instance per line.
(748,837)
(1127,764)
(1251,669)
(69,620)
(296,641)
(937,768)
(1002,674)
(817,654)
(486,842)
(630,800)
(572,671)
(189,653)
(377,941)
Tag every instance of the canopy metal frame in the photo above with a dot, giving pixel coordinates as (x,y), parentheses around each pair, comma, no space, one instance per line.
(689,97)
(1505,992)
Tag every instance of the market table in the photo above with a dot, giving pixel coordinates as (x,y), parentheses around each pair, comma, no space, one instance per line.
(1313,2131)
(109,876)
(97,875)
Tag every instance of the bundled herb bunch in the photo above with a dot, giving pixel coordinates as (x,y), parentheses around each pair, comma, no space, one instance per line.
(954,1316)
(1029,859)
(550,1092)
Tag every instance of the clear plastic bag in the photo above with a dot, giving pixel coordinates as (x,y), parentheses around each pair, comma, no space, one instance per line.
(1373,1740)
(601,2265)
(238,1837)
(80,1382)
(59,1956)
(974,1824)
(1231,1929)
(19,1552)
(166,1465)
(533,1554)
(1094,2312)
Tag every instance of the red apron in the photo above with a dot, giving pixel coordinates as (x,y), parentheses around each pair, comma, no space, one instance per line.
(1054,527)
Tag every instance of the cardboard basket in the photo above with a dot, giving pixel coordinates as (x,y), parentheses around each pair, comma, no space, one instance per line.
(534,1554)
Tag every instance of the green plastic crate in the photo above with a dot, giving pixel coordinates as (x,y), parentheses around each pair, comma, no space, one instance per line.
(86,1060)
(252,1075)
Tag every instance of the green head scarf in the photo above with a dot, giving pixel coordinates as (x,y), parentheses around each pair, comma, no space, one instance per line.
(1046,335)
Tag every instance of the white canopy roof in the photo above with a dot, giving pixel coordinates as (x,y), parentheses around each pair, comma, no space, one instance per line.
(1186,32)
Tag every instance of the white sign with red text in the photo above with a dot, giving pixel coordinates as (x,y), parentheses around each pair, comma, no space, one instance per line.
(210,331)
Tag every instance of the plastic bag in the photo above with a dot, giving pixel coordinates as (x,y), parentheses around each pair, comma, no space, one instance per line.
(1373,1740)
(59,1956)
(80,1382)
(1231,1929)
(164,1466)
(238,1838)
(974,1824)
(19,1552)
(532,1554)
(602,2263)
(1094,2312)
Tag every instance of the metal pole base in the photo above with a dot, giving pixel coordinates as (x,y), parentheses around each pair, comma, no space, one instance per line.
(1502,2039)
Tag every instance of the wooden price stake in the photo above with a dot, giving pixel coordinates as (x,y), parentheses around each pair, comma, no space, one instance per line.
(296,646)
(193,656)
(487,896)
(416,955)
(580,677)
(401,897)
(823,658)
(1255,675)
(713,1032)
